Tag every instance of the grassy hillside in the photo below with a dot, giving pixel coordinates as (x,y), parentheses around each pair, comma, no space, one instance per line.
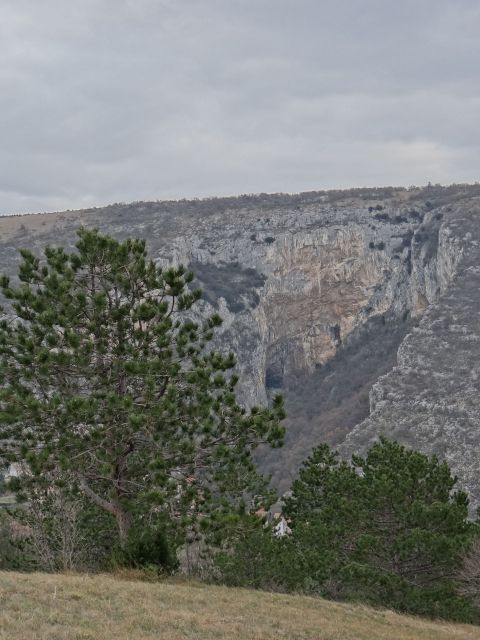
(58,607)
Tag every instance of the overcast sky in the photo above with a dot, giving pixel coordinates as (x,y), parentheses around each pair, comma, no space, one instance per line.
(117,100)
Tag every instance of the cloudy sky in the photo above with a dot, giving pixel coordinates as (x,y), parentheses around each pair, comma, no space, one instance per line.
(118,100)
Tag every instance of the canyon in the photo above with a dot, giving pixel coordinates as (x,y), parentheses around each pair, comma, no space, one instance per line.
(362,307)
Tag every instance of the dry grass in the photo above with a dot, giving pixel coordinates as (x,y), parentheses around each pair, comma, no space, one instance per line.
(70,607)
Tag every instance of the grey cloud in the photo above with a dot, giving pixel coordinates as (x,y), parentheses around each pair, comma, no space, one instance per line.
(118,100)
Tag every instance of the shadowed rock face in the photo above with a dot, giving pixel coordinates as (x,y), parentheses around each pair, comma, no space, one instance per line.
(318,292)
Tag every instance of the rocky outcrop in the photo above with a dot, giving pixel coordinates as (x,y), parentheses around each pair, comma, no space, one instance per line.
(318,292)
(430,400)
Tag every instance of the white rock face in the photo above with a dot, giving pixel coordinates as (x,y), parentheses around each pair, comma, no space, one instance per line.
(431,399)
(305,282)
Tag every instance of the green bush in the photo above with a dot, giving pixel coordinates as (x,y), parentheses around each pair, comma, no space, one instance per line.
(252,557)
(148,548)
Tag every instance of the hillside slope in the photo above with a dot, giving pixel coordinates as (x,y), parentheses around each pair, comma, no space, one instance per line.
(58,607)
(319,292)
(430,400)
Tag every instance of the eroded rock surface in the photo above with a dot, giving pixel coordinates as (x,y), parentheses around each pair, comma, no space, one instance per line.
(431,398)
(318,291)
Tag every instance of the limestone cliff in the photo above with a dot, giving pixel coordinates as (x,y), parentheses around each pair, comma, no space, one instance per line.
(430,399)
(318,291)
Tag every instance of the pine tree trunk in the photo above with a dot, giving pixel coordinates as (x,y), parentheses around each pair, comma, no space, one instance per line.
(124,522)
(123,518)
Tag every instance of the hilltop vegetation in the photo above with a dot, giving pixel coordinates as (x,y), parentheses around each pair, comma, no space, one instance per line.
(63,607)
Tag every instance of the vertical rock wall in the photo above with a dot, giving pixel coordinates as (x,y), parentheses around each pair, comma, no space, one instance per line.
(431,399)
(318,292)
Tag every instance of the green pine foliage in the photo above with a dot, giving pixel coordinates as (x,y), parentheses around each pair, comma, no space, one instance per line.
(250,556)
(389,529)
(111,389)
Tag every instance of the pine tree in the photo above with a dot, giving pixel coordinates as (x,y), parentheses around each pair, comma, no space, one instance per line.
(109,386)
(388,528)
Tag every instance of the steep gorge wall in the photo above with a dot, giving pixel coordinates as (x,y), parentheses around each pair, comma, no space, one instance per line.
(318,289)
(374,299)
(430,400)
(318,293)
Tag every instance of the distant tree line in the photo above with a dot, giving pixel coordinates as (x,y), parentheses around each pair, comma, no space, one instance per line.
(129,448)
